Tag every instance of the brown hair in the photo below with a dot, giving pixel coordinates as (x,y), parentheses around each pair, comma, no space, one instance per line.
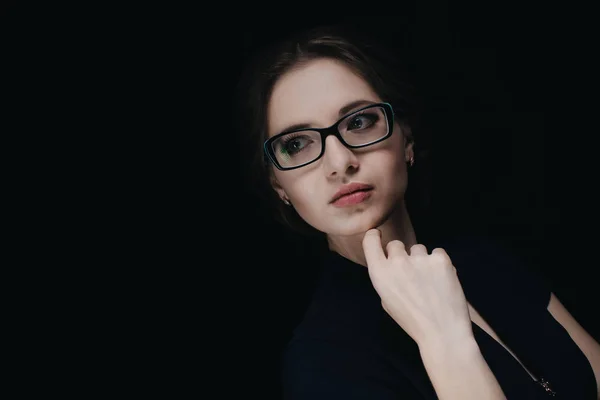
(371,58)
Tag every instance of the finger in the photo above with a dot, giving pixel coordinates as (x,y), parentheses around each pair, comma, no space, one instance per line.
(372,247)
(418,249)
(395,248)
(441,253)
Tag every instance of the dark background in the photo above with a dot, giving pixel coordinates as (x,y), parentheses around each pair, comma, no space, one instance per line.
(196,262)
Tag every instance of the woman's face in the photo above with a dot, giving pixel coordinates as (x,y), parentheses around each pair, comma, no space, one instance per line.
(313,94)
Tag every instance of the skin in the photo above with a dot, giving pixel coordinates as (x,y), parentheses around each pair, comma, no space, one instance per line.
(313,93)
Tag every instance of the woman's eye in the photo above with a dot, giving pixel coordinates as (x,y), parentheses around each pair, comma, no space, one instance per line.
(361,122)
(295,145)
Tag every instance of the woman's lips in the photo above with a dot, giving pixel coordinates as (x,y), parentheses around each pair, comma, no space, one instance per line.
(353,198)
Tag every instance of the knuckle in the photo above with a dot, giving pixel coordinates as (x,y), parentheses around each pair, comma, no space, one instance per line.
(440,258)
(396,243)
(418,250)
(439,253)
(395,246)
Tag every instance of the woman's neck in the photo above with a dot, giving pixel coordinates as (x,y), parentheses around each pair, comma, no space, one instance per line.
(397,227)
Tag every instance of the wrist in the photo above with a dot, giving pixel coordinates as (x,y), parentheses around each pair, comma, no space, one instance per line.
(450,364)
(446,355)
(448,344)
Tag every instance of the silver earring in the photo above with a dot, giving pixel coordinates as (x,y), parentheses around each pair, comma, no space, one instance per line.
(411,161)
(286,202)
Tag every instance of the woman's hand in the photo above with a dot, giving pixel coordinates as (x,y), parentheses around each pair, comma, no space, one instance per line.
(420,291)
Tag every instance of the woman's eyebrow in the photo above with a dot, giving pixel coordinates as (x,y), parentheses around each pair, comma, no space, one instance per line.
(352,105)
(343,111)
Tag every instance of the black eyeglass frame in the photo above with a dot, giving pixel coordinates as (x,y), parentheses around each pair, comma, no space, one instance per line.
(332,130)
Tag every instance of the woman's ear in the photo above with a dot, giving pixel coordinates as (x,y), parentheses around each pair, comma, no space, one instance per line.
(409,151)
(277,187)
(409,142)
(409,147)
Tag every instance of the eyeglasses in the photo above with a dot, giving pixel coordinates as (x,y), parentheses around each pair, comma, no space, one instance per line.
(300,147)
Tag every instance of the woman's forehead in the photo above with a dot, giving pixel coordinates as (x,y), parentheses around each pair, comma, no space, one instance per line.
(314,93)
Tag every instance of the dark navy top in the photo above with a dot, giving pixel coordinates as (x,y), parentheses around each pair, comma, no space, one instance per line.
(348,347)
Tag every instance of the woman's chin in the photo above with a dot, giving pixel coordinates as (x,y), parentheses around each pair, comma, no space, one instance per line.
(352,228)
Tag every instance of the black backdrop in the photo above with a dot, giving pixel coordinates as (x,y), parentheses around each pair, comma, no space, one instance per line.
(510,97)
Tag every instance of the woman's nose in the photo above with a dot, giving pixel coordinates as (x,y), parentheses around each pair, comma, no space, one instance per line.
(338,158)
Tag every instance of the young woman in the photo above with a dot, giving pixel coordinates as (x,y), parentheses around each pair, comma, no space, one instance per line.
(393,317)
